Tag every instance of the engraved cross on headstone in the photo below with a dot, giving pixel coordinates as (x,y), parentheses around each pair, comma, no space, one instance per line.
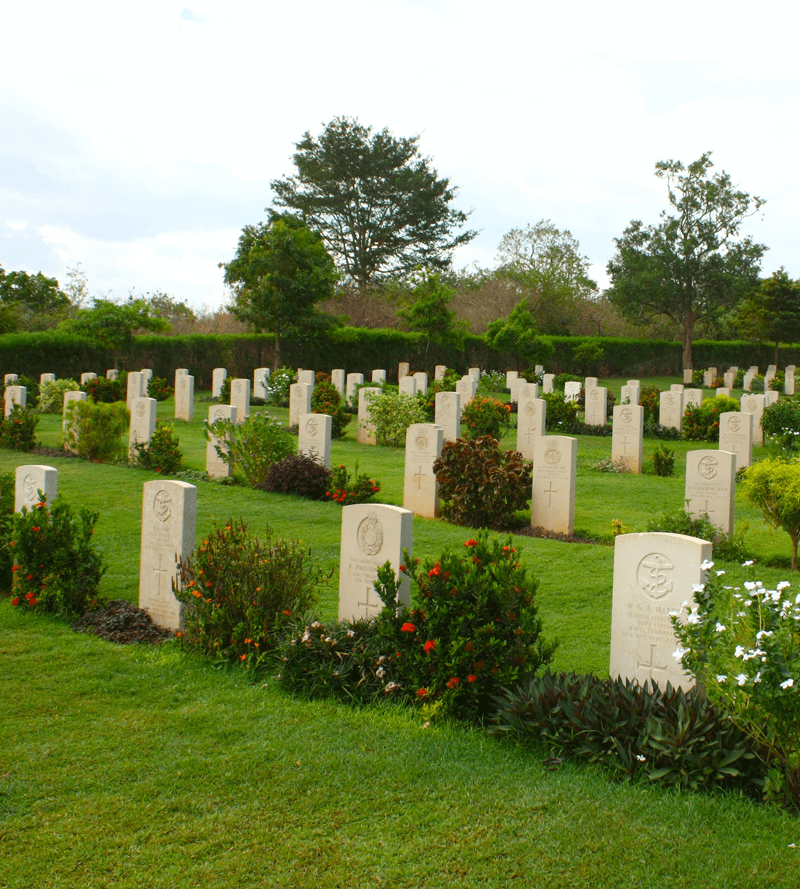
(369,605)
(162,573)
(550,490)
(418,476)
(651,667)
(624,440)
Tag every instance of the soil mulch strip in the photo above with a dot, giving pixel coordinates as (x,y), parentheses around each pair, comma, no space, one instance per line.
(123,623)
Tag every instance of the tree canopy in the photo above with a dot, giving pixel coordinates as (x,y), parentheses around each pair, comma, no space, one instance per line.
(519,335)
(380,207)
(693,263)
(772,312)
(30,301)
(281,269)
(426,311)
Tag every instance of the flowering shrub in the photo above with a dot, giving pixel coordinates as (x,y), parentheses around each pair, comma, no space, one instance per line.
(428,400)
(241,593)
(279,384)
(744,647)
(491,381)
(472,629)
(7,487)
(650,400)
(663,461)
(159,389)
(325,399)
(342,490)
(485,416)
(94,431)
(671,736)
(106,391)
(773,485)
(252,446)
(56,567)
(392,413)
(702,423)
(51,395)
(781,422)
(18,430)
(299,475)
(162,454)
(480,485)
(561,416)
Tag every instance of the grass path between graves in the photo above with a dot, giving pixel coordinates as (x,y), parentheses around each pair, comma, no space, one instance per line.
(131,767)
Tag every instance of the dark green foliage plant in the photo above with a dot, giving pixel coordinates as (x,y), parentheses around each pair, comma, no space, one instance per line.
(559,380)
(94,431)
(106,391)
(485,416)
(480,485)
(300,475)
(668,736)
(162,454)
(781,422)
(650,400)
(57,568)
(663,461)
(242,592)
(428,400)
(680,521)
(325,399)
(702,423)
(342,489)
(251,447)
(224,396)
(561,416)
(159,389)
(18,430)
(7,489)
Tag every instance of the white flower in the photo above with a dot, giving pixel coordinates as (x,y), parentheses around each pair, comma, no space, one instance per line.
(640,757)
(679,653)
(720,628)
(741,679)
(720,573)
(721,677)
(761,633)
(693,617)
(747,564)
(706,565)
(758,677)
(380,672)
(350,634)
(783,584)
(391,686)
(698,587)
(749,585)
(788,684)
(739,651)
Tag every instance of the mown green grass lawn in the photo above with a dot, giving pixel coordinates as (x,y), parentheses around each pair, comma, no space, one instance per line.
(140,767)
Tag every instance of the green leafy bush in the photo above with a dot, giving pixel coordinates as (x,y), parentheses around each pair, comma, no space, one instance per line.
(51,395)
(773,486)
(744,647)
(252,446)
(670,736)
(480,485)
(162,454)
(428,400)
(106,391)
(392,413)
(681,522)
(472,628)
(561,416)
(781,422)
(241,593)
(94,431)
(279,384)
(159,389)
(18,430)
(663,462)
(341,489)
(650,400)
(702,423)
(485,416)
(491,381)
(559,381)
(299,475)
(7,490)
(57,568)
(325,399)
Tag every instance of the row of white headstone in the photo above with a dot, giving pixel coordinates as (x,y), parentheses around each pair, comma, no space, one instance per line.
(654,574)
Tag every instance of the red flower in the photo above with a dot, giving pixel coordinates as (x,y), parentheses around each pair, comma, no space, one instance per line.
(408,628)
(422,692)
(472,677)
(32,602)
(435,571)
(35,528)
(429,646)
(453,682)
(15,600)
(471,543)
(287,613)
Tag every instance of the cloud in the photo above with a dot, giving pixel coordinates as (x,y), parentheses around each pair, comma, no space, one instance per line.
(190,16)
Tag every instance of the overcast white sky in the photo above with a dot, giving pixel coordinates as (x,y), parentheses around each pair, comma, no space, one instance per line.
(138,139)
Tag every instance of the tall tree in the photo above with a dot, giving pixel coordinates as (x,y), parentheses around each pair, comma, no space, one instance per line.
(281,269)
(31,302)
(772,313)
(693,263)
(380,207)
(518,335)
(426,311)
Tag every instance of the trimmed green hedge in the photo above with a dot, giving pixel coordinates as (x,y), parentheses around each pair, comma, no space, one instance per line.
(360,350)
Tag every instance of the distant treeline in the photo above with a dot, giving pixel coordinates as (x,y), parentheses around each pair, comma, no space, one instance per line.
(359,350)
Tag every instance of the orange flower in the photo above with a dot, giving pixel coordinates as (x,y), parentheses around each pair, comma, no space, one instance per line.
(408,628)
(422,692)
(472,677)
(429,646)
(243,657)
(471,543)
(453,682)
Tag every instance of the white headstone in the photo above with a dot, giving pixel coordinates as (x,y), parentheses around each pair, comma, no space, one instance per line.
(736,436)
(671,410)
(378,376)
(261,383)
(554,467)
(527,390)
(314,437)
(547,383)
(15,395)
(531,417)
(590,383)
(184,397)
(466,389)
(723,390)
(422,382)
(629,394)
(420,488)
(143,422)
(693,397)
(73,395)
(474,374)
(511,379)
(338,380)
(654,574)
(788,380)
(10,379)
(180,371)
(216,467)
(47,378)
(366,428)
(169,517)
(729,378)
(447,414)
(407,386)
(372,534)
(627,436)
(572,390)
(755,404)
(711,486)
(299,401)
(595,406)
(402,370)
(240,398)
(29,480)
(688,376)
(353,382)
(439,371)
(218,377)
(306,376)
(770,397)
(136,388)
(676,387)
(747,383)
(112,374)
(88,377)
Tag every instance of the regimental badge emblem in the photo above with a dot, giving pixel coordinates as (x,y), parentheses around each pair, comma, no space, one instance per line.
(421,443)
(312,425)
(161,505)
(552,456)
(734,424)
(370,535)
(626,415)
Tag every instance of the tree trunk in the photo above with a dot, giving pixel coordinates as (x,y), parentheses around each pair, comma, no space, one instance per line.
(794,552)
(686,339)
(776,354)
(277,352)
